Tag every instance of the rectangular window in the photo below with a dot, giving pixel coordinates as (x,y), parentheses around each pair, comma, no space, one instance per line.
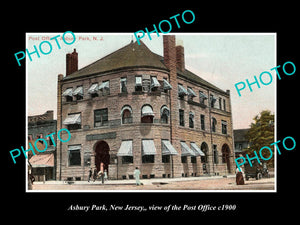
(224,127)
(202,97)
(224,104)
(181,117)
(212,101)
(100,117)
(123,85)
(146,81)
(127,159)
(165,158)
(73,121)
(220,103)
(148,159)
(183,159)
(193,159)
(202,118)
(138,83)
(215,152)
(74,155)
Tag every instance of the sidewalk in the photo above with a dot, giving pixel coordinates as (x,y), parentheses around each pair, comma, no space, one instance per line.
(132,181)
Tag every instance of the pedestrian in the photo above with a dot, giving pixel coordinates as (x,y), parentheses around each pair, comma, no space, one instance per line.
(136,175)
(105,175)
(95,174)
(90,174)
(239,177)
(101,176)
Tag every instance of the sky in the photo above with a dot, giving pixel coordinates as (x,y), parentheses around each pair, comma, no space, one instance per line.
(222,59)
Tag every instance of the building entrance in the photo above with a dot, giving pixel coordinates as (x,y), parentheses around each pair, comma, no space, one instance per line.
(226,156)
(102,156)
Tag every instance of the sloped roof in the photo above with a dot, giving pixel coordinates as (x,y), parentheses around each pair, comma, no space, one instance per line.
(134,55)
(240,135)
(131,55)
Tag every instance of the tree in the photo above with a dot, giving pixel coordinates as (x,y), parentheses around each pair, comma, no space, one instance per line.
(260,134)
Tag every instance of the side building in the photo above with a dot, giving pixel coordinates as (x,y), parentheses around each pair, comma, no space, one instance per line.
(134,108)
(43,163)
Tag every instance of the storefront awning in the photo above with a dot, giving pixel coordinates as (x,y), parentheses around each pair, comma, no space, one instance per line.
(125,149)
(42,160)
(148,147)
(167,148)
(197,150)
(72,119)
(185,150)
(147,111)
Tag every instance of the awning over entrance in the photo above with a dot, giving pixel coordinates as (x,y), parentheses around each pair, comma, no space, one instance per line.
(125,149)
(185,150)
(197,149)
(42,160)
(147,111)
(148,147)
(72,119)
(167,148)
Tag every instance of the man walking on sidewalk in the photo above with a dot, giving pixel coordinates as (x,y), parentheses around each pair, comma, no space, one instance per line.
(136,174)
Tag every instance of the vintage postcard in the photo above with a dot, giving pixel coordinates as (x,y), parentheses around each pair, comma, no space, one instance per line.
(171,114)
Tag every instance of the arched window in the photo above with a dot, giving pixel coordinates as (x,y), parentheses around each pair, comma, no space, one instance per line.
(191,120)
(164,114)
(147,114)
(126,114)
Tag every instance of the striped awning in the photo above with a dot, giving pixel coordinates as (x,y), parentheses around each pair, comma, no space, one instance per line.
(42,160)
(154,82)
(167,85)
(125,149)
(104,85)
(185,150)
(93,88)
(78,91)
(196,149)
(72,119)
(147,111)
(167,148)
(68,92)
(191,92)
(148,147)
(181,90)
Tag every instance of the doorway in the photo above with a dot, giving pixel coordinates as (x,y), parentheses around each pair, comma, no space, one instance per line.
(226,156)
(102,157)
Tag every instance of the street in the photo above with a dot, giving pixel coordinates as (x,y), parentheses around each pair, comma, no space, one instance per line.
(195,183)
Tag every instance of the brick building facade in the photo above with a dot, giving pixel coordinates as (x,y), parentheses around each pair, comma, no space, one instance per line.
(43,163)
(134,108)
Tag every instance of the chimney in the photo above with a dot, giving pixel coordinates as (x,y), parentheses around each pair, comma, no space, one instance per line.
(169,51)
(71,62)
(180,55)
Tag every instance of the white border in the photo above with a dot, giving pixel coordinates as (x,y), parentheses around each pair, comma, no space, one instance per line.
(156,191)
